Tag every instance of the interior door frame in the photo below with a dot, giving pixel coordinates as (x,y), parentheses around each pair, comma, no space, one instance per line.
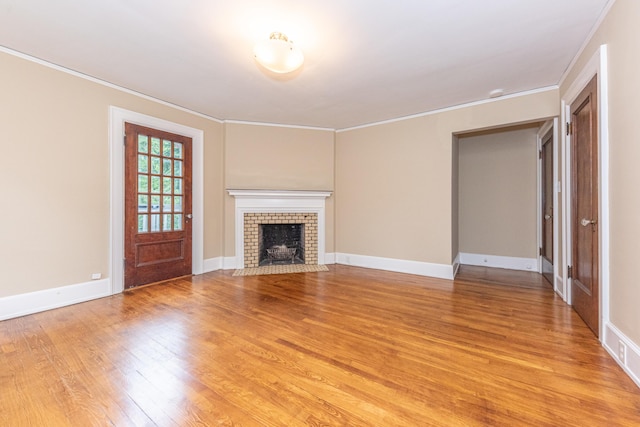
(549,126)
(596,65)
(117,119)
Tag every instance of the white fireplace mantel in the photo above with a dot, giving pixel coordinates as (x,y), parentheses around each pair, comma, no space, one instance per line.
(278,194)
(262,201)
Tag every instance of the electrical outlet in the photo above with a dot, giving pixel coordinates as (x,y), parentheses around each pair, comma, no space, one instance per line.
(622,352)
(96,276)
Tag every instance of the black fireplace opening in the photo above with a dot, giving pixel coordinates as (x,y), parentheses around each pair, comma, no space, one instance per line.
(281,244)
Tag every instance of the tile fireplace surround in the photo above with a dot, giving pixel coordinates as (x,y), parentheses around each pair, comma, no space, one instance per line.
(254,207)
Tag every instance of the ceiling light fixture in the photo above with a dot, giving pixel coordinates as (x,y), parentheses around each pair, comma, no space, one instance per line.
(278,54)
(496,93)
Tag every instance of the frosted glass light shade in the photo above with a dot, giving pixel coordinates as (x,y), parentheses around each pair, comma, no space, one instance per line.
(278,54)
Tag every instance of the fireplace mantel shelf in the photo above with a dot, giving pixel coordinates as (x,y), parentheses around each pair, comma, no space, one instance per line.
(279,194)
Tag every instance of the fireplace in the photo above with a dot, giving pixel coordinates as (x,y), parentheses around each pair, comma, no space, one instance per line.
(280,244)
(287,231)
(257,210)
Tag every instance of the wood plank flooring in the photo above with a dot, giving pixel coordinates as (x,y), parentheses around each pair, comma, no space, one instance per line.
(350,347)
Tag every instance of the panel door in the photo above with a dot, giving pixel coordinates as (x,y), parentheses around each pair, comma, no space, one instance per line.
(546,250)
(585,289)
(157,205)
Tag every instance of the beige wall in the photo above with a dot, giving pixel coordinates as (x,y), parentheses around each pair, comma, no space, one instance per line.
(498,193)
(269,157)
(394,180)
(621,33)
(55,174)
(60,219)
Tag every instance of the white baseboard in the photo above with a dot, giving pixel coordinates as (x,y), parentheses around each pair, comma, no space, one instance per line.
(212,264)
(456,265)
(229,263)
(34,302)
(559,288)
(629,360)
(330,258)
(441,271)
(495,261)
(219,263)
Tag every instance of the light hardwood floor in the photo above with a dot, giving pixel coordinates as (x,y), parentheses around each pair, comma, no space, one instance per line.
(350,347)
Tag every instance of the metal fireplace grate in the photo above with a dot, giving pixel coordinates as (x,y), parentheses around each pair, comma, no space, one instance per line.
(280,253)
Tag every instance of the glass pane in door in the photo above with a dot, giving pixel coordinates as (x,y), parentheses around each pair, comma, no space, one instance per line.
(160,185)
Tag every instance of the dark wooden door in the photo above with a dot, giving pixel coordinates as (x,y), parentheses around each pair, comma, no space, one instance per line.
(585,289)
(157,205)
(546,250)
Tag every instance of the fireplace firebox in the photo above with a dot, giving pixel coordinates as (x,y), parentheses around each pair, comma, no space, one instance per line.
(281,244)
(307,249)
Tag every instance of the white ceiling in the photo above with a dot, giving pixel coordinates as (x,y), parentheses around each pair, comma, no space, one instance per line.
(366,60)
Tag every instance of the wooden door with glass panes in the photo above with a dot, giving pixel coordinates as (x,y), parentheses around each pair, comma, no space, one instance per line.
(157,205)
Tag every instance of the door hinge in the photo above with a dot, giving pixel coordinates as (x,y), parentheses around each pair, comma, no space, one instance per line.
(569,272)
(540,154)
(124,139)
(540,252)
(569,128)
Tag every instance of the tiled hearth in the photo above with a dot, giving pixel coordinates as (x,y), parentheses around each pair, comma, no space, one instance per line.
(255,207)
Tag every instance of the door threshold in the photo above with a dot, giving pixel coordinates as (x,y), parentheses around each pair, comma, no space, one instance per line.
(160,282)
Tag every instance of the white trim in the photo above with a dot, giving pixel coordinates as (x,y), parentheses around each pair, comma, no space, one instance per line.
(559,285)
(330,258)
(456,265)
(229,263)
(212,264)
(440,271)
(603,14)
(496,261)
(274,201)
(603,167)
(34,302)
(630,361)
(243,122)
(452,108)
(117,118)
(271,197)
(590,69)
(596,65)
(566,202)
(101,82)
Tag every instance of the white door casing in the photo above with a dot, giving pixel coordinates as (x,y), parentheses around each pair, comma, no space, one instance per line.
(117,118)
(596,65)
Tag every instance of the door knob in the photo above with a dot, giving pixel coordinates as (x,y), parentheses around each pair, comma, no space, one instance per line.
(584,222)
(189,216)
(547,216)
